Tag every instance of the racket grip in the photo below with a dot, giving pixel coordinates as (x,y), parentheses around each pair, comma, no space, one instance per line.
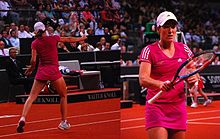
(154,98)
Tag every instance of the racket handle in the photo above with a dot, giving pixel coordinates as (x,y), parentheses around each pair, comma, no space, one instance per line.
(154,98)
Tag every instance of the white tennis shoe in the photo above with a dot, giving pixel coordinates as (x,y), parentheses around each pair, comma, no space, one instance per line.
(194,105)
(64,125)
(207,102)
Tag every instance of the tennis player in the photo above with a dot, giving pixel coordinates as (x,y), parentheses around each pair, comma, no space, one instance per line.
(159,61)
(197,88)
(45,47)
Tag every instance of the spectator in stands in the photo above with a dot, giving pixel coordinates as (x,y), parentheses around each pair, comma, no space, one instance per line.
(123,48)
(122,62)
(115,4)
(106,31)
(62,48)
(107,46)
(82,3)
(123,34)
(74,19)
(98,46)
(3,51)
(69,3)
(43,15)
(15,71)
(115,30)
(27,29)
(58,5)
(22,33)
(82,31)
(7,28)
(87,17)
(129,63)
(83,46)
(103,41)
(13,26)
(49,12)
(40,15)
(90,32)
(15,40)
(8,16)
(5,39)
(57,30)
(72,47)
(137,61)
(45,47)
(66,29)
(65,14)
(188,37)
(215,38)
(216,61)
(50,31)
(100,29)
(117,45)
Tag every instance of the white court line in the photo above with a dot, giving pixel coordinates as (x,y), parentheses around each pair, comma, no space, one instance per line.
(49,129)
(201,112)
(133,127)
(8,116)
(203,123)
(53,119)
(207,118)
(126,128)
(134,119)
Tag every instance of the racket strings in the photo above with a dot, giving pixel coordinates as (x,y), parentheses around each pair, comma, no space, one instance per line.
(195,64)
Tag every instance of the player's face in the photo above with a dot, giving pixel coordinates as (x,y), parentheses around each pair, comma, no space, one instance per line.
(168,31)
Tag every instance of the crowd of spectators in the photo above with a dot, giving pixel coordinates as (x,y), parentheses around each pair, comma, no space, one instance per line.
(117,18)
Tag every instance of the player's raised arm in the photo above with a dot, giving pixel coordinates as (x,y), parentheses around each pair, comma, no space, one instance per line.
(72,39)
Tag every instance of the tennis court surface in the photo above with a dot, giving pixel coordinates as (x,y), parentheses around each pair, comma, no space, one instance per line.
(43,119)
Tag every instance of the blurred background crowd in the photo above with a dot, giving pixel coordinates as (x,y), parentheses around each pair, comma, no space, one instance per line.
(123,20)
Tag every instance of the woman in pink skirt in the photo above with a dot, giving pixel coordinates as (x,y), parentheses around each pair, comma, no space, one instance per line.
(166,117)
(45,47)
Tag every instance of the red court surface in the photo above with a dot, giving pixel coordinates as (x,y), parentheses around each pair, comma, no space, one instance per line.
(43,119)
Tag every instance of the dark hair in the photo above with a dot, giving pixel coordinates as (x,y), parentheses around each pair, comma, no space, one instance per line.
(12,31)
(12,48)
(39,33)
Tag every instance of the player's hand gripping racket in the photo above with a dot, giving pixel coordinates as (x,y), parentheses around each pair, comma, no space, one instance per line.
(190,67)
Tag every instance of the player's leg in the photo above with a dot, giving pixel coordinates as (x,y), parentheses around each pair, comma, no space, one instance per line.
(60,87)
(193,91)
(157,133)
(207,100)
(176,134)
(36,88)
(200,87)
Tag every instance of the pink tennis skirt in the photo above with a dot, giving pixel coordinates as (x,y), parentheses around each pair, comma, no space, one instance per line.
(48,72)
(167,115)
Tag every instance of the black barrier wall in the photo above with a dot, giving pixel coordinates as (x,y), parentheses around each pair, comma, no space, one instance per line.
(81,56)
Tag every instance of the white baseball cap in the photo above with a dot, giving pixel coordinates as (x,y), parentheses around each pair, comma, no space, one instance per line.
(164,17)
(39,26)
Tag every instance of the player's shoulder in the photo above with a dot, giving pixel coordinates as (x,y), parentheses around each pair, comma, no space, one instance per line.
(150,46)
(182,46)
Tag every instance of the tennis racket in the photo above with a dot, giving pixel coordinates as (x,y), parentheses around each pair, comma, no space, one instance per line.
(190,67)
